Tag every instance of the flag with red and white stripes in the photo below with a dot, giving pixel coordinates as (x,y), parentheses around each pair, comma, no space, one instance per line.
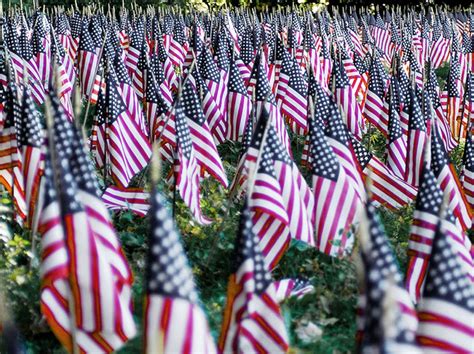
(29,136)
(239,105)
(252,320)
(87,61)
(133,199)
(174,321)
(346,99)
(336,201)
(417,136)
(282,203)
(388,189)
(422,232)
(289,288)
(127,148)
(83,267)
(374,110)
(11,164)
(445,310)
(388,317)
(292,91)
(447,179)
(217,85)
(396,140)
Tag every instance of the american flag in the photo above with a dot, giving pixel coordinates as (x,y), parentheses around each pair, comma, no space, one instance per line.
(41,47)
(425,221)
(205,149)
(382,37)
(454,96)
(133,199)
(252,320)
(338,138)
(336,201)
(11,164)
(211,75)
(417,136)
(155,105)
(28,61)
(387,189)
(282,203)
(29,136)
(178,44)
(389,319)
(83,266)
(75,22)
(239,104)
(129,96)
(442,123)
(374,109)
(186,165)
(289,288)
(447,179)
(468,169)
(445,310)
(174,321)
(127,148)
(347,100)
(135,49)
(87,61)
(440,50)
(292,91)
(396,141)
(264,99)
(156,68)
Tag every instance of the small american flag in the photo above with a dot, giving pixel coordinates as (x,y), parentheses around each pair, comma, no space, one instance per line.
(388,189)
(389,317)
(289,288)
(239,104)
(281,201)
(211,75)
(425,221)
(445,310)
(82,259)
(129,96)
(374,109)
(186,167)
(29,135)
(454,94)
(133,199)
(447,179)
(174,322)
(292,91)
(87,61)
(417,136)
(126,146)
(41,41)
(441,120)
(28,60)
(337,136)
(11,164)
(347,100)
(396,140)
(205,149)
(336,201)
(252,320)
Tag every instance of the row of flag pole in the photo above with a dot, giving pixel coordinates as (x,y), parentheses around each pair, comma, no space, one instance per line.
(176,85)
